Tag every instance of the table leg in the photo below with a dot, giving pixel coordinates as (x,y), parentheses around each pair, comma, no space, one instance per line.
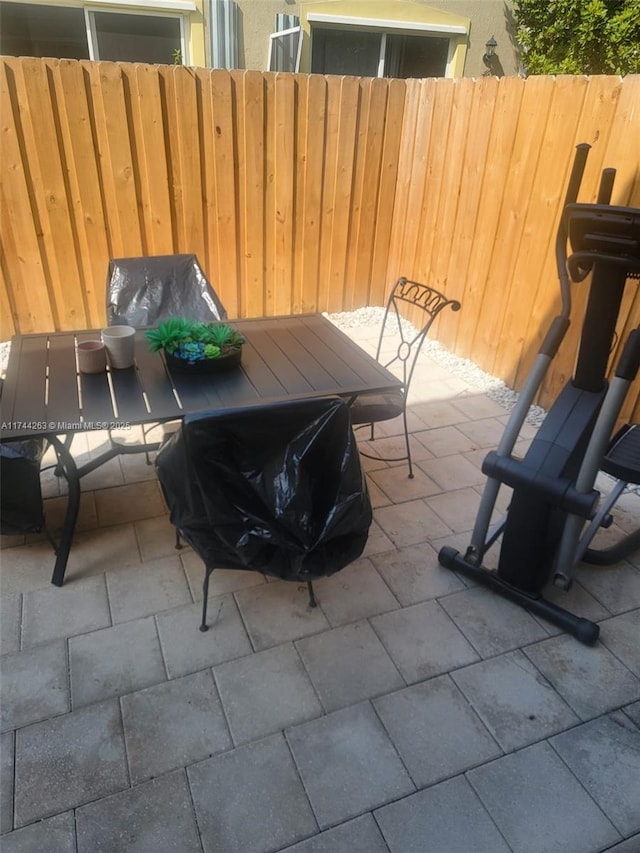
(70,471)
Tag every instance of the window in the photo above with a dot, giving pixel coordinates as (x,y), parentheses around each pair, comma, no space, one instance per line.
(285,45)
(136,38)
(369,47)
(37,30)
(27,30)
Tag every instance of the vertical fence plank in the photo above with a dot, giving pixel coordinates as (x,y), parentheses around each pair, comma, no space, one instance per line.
(39,120)
(251,154)
(111,120)
(469,218)
(184,141)
(368,185)
(452,189)
(22,254)
(285,182)
(527,141)
(85,193)
(482,276)
(343,113)
(148,129)
(388,193)
(222,174)
(540,215)
(312,127)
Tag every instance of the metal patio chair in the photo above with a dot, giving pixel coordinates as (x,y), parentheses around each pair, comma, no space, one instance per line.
(369,409)
(278,489)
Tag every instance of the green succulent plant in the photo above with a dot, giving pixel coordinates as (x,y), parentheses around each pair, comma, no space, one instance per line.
(213,339)
(168,334)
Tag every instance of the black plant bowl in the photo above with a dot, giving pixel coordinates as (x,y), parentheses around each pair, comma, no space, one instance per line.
(227,361)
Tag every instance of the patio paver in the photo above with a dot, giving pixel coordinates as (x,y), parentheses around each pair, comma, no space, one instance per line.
(34,685)
(54,612)
(360,835)
(55,835)
(263,775)
(348,664)
(187,649)
(69,760)
(517,705)
(590,679)
(605,756)
(436,732)
(265,693)
(446,817)
(173,724)
(423,641)
(157,815)
(538,804)
(114,661)
(334,754)
(276,613)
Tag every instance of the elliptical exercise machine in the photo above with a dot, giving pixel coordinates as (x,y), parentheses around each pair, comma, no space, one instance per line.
(553,485)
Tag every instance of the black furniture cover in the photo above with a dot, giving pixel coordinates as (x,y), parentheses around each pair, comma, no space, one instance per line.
(276,489)
(144,291)
(21,507)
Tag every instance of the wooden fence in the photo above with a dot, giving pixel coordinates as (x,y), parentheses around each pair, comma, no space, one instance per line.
(303,192)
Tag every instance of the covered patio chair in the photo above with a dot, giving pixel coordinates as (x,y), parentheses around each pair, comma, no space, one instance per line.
(277,489)
(399,349)
(21,505)
(143,291)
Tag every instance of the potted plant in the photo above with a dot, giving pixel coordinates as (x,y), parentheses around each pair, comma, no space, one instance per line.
(196,347)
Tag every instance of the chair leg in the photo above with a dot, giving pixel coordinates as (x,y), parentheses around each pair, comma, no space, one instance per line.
(178,544)
(406,439)
(205,598)
(312,596)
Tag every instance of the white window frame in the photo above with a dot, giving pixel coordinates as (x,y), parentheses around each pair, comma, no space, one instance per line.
(389,27)
(289,32)
(149,12)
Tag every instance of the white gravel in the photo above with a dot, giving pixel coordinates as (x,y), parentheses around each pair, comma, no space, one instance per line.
(463,368)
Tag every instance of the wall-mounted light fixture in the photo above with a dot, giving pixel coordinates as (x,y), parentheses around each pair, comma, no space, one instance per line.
(491,60)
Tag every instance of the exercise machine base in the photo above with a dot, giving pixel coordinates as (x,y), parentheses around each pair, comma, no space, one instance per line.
(584,630)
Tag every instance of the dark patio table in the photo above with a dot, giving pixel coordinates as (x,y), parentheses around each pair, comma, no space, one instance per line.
(284,358)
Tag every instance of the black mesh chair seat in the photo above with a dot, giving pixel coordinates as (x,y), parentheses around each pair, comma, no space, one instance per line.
(277,489)
(371,408)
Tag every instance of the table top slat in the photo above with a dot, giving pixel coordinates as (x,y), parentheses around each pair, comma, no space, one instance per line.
(97,406)
(156,382)
(29,404)
(63,404)
(352,365)
(128,395)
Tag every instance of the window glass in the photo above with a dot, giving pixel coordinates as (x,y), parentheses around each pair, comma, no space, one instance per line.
(284,50)
(352,52)
(34,30)
(416,56)
(137,38)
